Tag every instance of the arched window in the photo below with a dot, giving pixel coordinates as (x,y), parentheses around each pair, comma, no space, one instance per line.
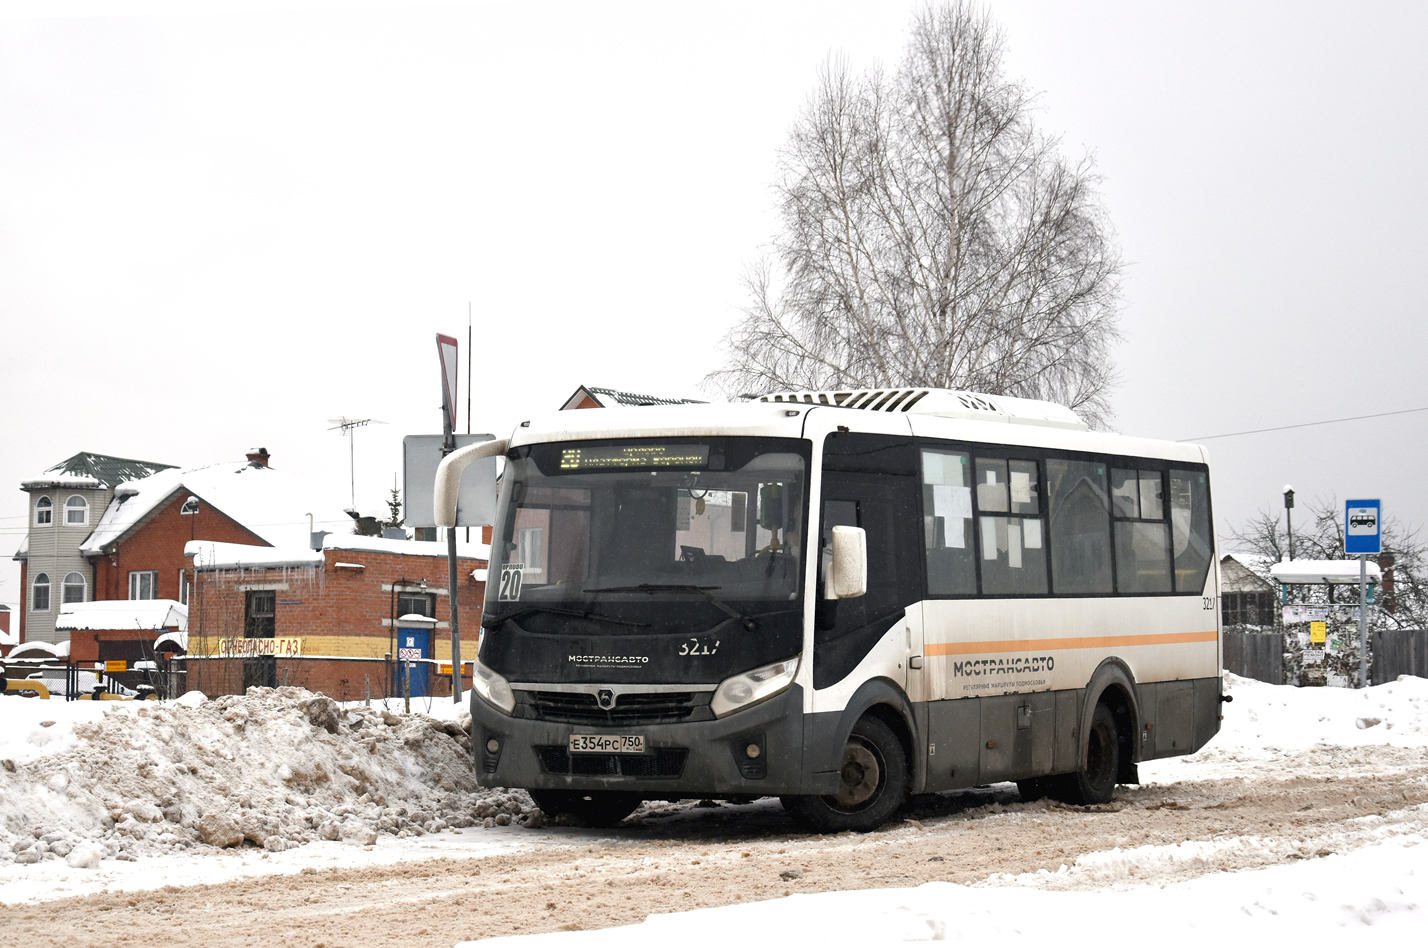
(40,597)
(76,511)
(44,512)
(74,586)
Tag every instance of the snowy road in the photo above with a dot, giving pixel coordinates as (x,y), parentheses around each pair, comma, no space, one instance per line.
(1310,804)
(1304,807)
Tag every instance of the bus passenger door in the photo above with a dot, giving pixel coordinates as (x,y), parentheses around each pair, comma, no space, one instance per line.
(869,481)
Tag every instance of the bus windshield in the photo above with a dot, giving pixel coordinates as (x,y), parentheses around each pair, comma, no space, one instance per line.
(587,526)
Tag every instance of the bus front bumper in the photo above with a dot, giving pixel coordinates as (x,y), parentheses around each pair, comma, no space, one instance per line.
(756,752)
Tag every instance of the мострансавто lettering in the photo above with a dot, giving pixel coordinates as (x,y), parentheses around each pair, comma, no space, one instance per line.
(1003,666)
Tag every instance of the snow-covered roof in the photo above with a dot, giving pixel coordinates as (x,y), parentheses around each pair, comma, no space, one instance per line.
(179,639)
(208,554)
(609,397)
(351,541)
(24,551)
(123,614)
(273,504)
(1322,571)
(61,481)
(38,649)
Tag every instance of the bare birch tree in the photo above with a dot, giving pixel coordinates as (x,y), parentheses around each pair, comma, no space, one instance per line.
(931,235)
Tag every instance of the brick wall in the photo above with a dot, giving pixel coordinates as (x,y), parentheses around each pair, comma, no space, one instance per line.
(342,612)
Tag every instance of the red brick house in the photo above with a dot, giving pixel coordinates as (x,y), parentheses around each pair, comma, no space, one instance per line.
(137,547)
(329,620)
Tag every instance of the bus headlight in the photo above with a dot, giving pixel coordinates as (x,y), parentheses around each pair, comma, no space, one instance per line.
(734,694)
(493,689)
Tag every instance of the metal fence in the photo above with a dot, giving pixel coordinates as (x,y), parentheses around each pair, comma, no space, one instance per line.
(1257,655)
(1399,652)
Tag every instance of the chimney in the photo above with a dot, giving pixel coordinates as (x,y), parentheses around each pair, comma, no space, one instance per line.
(258,457)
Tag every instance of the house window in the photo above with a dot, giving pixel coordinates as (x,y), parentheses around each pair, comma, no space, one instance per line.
(40,595)
(44,512)
(74,586)
(183,584)
(76,511)
(260,622)
(144,584)
(422,604)
(261,615)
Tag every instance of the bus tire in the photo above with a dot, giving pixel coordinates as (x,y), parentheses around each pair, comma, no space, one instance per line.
(873,785)
(598,808)
(1097,781)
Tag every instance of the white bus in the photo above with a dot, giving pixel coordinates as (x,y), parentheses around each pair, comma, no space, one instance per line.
(839,599)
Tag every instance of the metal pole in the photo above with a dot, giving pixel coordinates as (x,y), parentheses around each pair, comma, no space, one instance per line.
(1363,620)
(448,425)
(455,615)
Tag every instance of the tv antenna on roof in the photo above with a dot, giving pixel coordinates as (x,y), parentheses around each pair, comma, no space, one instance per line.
(348,426)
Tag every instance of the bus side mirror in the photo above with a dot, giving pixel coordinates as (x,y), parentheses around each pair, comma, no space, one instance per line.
(848,573)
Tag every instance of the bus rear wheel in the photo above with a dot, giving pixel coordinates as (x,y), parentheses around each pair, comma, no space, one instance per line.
(1095,783)
(872,784)
(597,808)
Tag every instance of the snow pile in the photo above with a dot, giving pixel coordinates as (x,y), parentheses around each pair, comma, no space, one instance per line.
(1278,718)
(275,768)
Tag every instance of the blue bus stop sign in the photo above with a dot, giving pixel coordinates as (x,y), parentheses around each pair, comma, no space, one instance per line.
(1362,527)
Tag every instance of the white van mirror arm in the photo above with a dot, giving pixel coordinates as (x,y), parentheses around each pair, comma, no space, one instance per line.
(448,476)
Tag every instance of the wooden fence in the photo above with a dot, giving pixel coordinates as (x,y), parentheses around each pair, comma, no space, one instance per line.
(1398,652)
(1257,655)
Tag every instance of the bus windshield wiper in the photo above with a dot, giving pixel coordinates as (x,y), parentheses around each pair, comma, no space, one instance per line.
(491,621)
(746,621)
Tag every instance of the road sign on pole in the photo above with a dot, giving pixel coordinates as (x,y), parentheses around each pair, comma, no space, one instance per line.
(446,347)
(1362,527)
(1363,535)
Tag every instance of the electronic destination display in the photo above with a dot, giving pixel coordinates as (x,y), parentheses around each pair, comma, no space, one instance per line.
(616,457)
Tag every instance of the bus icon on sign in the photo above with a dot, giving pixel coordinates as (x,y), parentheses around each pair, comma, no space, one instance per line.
(1363,521)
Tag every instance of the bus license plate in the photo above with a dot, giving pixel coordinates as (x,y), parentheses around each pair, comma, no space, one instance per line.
(607,744)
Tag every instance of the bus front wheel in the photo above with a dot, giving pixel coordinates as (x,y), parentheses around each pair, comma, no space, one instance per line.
(598,808)
(872,784)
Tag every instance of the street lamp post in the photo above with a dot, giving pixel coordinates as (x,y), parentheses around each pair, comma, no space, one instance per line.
(1289,516)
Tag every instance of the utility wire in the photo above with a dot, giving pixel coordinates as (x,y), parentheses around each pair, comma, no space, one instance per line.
(1307,424)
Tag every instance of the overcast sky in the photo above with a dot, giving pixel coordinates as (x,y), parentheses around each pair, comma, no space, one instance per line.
(220,230)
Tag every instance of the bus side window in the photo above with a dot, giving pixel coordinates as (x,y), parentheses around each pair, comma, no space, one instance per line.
(947,523)
(1190,529)
(1013,555)
(1080,527)
(1142,535)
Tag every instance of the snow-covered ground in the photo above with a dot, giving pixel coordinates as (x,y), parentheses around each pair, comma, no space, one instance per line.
(350,791)
(1376,894)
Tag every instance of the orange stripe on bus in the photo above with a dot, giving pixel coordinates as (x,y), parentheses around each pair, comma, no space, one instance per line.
(1040,645)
